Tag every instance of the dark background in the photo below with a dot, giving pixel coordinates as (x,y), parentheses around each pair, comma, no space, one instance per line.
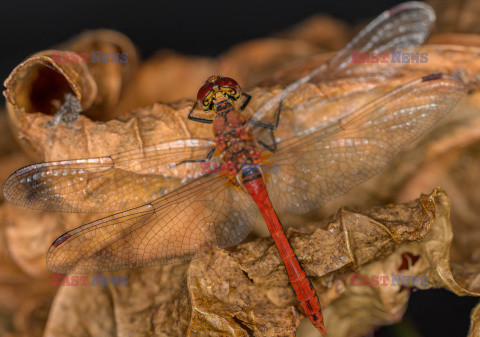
(208,28)
(190,27)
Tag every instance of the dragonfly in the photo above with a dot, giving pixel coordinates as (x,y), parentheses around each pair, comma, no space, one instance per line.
(224,186)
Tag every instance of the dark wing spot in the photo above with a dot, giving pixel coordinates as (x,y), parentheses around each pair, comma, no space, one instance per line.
(61,239)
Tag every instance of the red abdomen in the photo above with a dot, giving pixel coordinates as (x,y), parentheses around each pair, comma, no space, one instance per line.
(303,288)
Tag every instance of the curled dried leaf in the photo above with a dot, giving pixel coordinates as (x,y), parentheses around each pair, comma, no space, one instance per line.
(245,290)
(169,77)
(248,285)
(113,60)
(377,293)
(30,233)
(475,321)
(40,83)
(143,127)
(456,17)
(320,30)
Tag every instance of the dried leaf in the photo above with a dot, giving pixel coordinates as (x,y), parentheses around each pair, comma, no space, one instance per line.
(39,83)
(341,95)
(200,298)
(111,77)
(363,306)
(169,76)
(457,17)
(320,30)
(27,82)
(245,290)
(474,317)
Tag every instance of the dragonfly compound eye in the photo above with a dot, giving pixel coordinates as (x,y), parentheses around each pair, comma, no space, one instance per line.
(229,87)
(204,91)
(205,95)
(226,82)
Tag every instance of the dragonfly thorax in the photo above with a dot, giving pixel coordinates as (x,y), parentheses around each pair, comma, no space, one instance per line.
(235,143)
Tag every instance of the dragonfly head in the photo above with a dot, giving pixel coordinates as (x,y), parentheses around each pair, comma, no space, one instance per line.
(218,93)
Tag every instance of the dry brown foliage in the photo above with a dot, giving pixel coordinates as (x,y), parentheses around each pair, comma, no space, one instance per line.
(243,290)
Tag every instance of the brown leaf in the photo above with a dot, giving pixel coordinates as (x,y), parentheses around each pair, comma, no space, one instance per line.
(363,306)
(160,300)
(127,133)
(320,30)
(111,77)
(461,17)
(39,83)
(474,318)
(145,307)
(245,290)
(168,76)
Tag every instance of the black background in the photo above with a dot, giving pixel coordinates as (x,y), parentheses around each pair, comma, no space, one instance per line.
(191,27)
(208,28)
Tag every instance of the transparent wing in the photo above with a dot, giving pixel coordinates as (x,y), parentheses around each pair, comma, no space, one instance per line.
(402,28)
(319,166)
(180,226)
(111,183)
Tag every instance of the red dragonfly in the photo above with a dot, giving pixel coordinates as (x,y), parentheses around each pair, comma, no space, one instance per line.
(224,185)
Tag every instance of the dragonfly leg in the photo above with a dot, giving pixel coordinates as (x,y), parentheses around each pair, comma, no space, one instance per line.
(204,160)
(273,146)
(198,119)
(274,125)
(244,105)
